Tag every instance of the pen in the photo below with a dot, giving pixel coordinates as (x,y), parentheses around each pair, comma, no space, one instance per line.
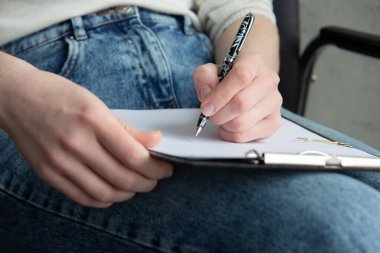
(236,46)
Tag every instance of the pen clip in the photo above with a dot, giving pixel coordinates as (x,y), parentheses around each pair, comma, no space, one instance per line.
(241,36)
(237,44)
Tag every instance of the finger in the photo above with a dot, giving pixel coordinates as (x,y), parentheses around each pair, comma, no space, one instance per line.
(240,76)
(243,101)
(148,139)
(70,190)
(205,79)
(130,153)
(120,177)
(95,186)
(264,129)
(89,182)
(270,104)
(106,167)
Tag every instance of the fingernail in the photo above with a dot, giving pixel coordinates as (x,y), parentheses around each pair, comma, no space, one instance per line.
(207,109)
(205,90)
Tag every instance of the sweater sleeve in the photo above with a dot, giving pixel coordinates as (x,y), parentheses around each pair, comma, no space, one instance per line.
(216,15)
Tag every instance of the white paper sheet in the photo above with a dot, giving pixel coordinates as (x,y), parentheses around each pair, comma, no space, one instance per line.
(179,125)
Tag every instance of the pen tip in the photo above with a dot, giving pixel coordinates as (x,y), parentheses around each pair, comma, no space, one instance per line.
(198,131)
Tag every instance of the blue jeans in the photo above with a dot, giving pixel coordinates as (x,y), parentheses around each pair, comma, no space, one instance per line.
(141,59)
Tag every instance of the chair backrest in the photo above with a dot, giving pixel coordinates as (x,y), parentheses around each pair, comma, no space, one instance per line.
(287,14)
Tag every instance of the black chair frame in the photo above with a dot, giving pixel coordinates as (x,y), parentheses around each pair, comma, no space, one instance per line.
(296,69)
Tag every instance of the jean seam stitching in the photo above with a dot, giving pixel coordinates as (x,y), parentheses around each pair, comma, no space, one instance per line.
(80,222)
(67,33)
(165,60)
(42,43)
(107,22)
(72,59)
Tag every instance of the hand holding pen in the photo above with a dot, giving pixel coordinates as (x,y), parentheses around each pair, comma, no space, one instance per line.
(236,46)
(243,98)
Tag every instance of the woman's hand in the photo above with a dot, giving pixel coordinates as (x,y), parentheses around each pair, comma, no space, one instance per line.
(246,104)
(73,141)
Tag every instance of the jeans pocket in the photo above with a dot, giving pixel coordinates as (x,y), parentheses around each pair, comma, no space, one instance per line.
(190,30)
(58,56)
(72,56)
(207,45)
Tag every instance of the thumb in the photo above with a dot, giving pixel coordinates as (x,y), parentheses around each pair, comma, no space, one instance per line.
(205,79)
(148,139)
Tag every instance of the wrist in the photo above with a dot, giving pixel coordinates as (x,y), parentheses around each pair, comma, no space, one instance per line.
(13,75)
(263,40)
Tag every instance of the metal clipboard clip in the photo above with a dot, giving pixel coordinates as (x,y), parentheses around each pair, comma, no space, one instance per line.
(323,160)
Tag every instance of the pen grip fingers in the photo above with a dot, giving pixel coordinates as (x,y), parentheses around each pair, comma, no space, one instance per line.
(242,74)
(205,79)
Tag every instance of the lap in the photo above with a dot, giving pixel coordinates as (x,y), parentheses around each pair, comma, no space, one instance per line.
(225,210)
(222,210)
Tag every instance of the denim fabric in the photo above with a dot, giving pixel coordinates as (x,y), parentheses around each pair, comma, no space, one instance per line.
(129,61)
(130,55)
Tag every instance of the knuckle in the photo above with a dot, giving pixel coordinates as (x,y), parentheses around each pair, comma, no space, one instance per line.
(243,74)
(219,97)
(104,195)
(272,80)
(87,115)
(72,141)
(280,99)
(128,182)
(239,103)
(238,124)
(275,78)
(238,137)
(57,158)
(135,157)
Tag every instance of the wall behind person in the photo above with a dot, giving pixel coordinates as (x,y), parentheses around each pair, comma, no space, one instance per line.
(346,94)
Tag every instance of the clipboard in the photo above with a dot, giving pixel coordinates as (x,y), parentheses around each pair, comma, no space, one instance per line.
(280,161)
(283,151)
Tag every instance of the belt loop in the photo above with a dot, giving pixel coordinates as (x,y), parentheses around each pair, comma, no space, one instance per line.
(188,26)
(78,28)
(137,13)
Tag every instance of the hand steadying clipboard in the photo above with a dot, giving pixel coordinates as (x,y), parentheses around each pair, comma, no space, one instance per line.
(284,150)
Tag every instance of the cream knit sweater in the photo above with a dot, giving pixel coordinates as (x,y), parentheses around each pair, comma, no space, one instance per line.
(19,18)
